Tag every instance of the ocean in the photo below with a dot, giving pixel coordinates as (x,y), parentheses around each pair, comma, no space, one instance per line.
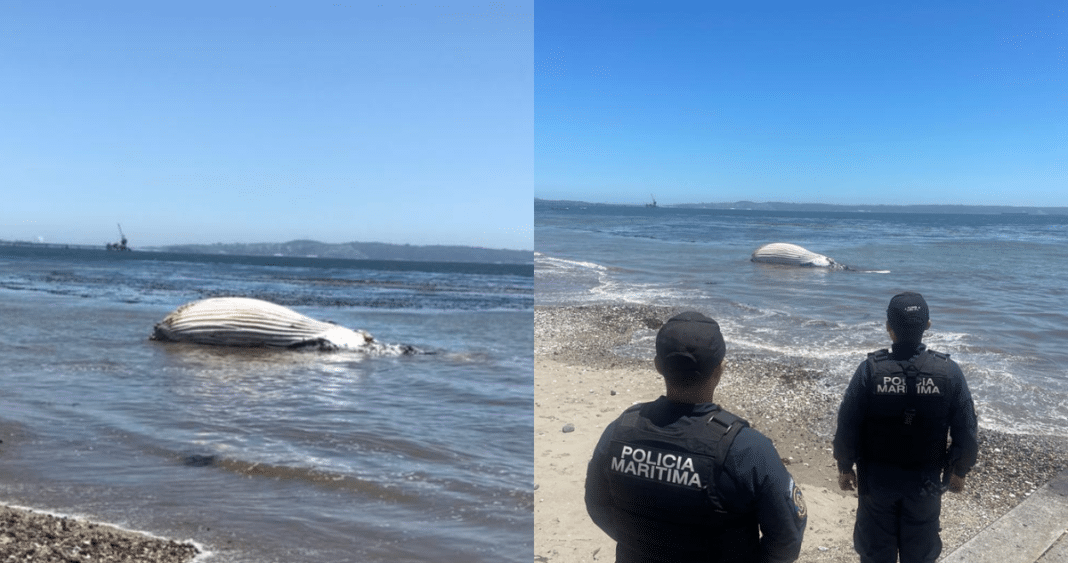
(995,285)
(266,455)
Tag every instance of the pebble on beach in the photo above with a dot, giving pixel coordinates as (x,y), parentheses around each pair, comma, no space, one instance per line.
(26,535)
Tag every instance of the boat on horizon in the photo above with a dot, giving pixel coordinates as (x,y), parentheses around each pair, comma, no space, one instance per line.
(118,245)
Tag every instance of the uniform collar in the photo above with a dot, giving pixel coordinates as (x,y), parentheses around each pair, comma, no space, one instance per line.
(903,351)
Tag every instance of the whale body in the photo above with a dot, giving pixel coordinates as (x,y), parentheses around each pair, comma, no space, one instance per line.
(246,322)
(793,255)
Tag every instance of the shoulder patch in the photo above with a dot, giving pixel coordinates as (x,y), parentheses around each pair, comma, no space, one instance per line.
(799,501)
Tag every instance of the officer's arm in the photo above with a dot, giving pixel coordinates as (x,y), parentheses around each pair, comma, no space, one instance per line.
(780,508)
(598,500)
(963,428)
(850,418)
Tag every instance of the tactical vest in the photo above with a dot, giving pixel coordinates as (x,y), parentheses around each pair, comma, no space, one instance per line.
(663,484)
(907,419)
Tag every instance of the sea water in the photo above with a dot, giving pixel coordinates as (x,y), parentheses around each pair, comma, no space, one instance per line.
(995,285)
(270,455)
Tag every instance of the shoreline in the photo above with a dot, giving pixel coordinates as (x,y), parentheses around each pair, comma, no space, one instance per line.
(580,386)
(27,534)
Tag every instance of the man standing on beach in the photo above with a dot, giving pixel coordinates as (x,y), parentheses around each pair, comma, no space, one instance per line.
(892,424)
(680,480)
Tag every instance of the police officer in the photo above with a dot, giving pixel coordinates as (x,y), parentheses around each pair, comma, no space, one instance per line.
(681,480)
(892,424)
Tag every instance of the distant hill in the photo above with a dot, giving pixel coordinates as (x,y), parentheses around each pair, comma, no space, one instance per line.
(360,251)
(782,206)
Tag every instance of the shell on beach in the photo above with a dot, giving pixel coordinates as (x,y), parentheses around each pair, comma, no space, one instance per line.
(246,322)
(791,254)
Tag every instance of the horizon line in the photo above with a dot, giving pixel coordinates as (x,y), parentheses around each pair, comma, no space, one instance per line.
(844,205)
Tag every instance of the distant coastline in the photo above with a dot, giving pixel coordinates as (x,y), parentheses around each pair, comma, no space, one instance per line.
(315,249)
(825,207)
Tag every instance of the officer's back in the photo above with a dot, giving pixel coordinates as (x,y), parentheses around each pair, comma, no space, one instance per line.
(892,425)
(679,479)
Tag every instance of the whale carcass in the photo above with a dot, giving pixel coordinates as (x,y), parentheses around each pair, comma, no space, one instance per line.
(242,321)
(793,255)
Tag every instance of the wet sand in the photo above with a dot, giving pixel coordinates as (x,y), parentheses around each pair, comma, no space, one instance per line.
(580,386)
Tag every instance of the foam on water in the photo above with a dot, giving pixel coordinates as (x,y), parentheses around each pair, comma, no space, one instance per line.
(565,265)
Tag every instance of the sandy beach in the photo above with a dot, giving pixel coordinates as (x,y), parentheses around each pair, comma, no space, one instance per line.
(580,386)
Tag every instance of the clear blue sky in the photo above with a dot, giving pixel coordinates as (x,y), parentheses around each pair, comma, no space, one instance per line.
(200,122)
(831,102)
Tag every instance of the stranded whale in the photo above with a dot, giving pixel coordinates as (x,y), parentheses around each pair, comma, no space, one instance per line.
(793,255)
(242,321)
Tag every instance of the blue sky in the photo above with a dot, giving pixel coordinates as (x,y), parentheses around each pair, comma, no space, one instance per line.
(200,122)
(830,102)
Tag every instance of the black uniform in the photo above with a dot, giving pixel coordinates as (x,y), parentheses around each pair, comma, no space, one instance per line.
(680,483)
(893,424)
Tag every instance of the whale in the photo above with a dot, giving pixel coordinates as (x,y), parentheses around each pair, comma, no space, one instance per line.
(248,322)
(793,255)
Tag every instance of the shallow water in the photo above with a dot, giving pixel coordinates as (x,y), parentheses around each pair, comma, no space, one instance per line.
(265,455)
(994,284)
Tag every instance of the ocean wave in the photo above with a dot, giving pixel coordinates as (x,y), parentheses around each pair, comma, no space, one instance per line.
(565,264)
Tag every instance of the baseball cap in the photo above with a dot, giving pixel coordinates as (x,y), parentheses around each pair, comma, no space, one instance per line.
(908,311)
(690,344)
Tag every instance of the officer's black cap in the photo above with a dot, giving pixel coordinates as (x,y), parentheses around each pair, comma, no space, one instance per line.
(908,312)
(689,346)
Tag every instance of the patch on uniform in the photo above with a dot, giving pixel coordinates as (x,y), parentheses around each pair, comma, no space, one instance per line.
(929,386)
(799,501)
(891,385)
(666,467)
(897,385)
